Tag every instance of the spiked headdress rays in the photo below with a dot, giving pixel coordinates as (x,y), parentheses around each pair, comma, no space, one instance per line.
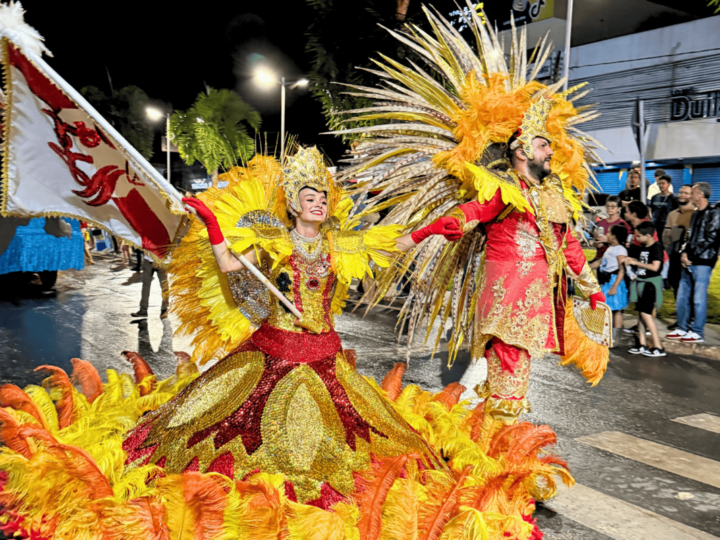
(441,123)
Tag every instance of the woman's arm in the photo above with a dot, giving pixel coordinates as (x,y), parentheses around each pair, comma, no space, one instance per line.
(226,261)
(595,264)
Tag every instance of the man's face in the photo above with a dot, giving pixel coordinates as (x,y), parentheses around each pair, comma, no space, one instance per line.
(632,217)
(697,196)
(634,179)
(685,195)
(664,185)
(539,165)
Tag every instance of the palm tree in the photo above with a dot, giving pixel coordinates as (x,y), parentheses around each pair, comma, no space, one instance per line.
(212,131)
(125,110)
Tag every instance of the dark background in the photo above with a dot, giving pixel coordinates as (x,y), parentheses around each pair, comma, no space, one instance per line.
(172,52)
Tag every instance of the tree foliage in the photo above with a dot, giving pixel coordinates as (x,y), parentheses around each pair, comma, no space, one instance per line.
(125,110)
(343,37)
(213,131)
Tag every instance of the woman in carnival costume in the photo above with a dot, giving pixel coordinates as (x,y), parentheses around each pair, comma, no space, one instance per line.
(282,438)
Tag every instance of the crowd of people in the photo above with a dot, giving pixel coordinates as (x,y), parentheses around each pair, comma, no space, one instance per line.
(670,241)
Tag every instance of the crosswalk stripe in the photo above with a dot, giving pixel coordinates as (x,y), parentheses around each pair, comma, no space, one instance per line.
(656,455)
(618,519)
(705,421)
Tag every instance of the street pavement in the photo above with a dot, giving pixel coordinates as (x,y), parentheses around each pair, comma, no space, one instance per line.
(643,445)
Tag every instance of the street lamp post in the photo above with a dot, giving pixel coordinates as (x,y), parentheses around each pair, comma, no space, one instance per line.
(267,78)
(156,114)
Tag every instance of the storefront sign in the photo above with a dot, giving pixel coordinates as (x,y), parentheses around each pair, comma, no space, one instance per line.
(686,104)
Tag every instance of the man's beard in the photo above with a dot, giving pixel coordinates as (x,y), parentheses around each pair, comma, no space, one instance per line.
(537,168)
(683,202)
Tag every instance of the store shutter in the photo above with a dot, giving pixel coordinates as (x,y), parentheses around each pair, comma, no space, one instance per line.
(610,182)
(711,175)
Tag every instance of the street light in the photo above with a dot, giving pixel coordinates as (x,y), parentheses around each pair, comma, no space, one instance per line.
(155,115)
(267,78)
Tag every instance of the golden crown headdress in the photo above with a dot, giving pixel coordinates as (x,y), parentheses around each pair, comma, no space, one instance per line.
(534,124)
(305,169)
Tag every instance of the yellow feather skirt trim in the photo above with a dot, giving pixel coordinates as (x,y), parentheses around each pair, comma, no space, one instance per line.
(72,483)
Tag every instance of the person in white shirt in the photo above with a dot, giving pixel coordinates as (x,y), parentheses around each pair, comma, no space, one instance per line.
(611,274)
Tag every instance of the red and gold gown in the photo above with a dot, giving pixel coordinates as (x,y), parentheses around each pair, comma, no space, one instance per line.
(280,439)
(288,401)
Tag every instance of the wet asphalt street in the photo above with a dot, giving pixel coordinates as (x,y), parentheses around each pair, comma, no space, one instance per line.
(644,445)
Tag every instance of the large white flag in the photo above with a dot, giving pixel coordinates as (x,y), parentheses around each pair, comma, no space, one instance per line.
(60,157)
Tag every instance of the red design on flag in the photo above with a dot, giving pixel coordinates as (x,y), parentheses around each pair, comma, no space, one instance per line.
(106,171)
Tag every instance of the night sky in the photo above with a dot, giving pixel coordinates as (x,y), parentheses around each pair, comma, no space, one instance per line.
(172,53)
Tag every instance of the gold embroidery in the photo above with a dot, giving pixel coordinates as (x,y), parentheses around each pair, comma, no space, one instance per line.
(313,276)
(515,323)
(527,239)
(380,414)
(524,267)
(204,403)
(504,384)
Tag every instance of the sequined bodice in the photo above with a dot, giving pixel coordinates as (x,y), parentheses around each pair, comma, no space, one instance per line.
(309,283)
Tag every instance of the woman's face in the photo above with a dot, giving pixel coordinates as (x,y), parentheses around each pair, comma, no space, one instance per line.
(313,206)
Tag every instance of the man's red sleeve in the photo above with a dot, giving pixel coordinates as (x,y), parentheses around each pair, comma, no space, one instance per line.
(574,254)
(483,212)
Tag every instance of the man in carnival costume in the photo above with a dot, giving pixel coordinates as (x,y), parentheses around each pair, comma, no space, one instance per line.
(488,161)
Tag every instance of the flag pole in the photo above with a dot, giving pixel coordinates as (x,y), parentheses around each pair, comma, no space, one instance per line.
(255,272)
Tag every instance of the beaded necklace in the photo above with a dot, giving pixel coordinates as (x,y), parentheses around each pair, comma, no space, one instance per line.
(299,241)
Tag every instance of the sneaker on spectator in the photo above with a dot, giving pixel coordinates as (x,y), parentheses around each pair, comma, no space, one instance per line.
(641,349)
(655,352)
(692,337)
(631,330)
(676,334)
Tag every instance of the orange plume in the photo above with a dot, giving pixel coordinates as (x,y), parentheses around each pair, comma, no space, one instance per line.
(185,365)
(15,398)
(88,377)
(374,486)
(151,513)
(11,437)
(521,440)
(140,366)
(450,395)
(475,421)
(392,383)
(435,521)
(64,405)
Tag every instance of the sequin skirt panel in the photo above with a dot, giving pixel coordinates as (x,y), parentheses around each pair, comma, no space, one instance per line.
(316,421)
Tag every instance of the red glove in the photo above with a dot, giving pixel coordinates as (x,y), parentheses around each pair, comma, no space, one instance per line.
(215,235)
(595,298)
(449,227)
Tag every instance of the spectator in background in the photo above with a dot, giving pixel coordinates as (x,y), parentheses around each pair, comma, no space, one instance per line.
(638,213)
(612,207)
(631,192)
(148,269)
(611,276)
(673,238)
(662,204)
(654,189)
(698,258)
(646,258)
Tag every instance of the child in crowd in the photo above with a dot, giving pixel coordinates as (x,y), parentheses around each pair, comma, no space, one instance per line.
(612,207)
(611,274)
(646,260)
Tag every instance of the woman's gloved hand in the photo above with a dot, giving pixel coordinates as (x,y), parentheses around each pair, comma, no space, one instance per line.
(208,218)
(447,226)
